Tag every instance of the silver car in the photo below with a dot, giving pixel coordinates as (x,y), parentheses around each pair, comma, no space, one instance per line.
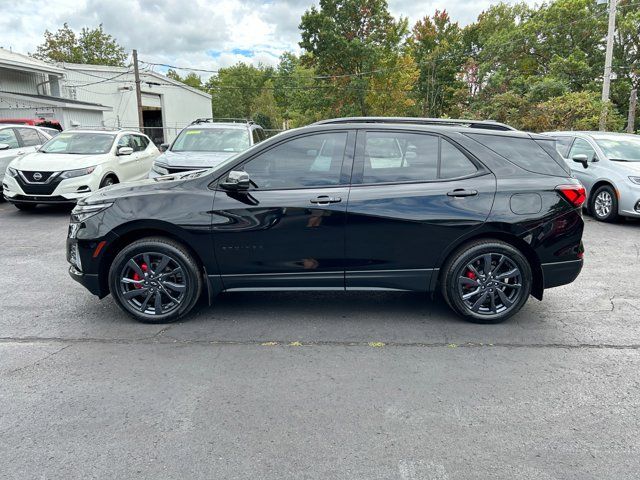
(206,143)
(17,140)
(608,165)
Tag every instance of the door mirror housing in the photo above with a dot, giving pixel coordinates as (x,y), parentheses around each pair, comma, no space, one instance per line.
(581,158)
(125,150)
(4,146)
(164,147)
(236,180)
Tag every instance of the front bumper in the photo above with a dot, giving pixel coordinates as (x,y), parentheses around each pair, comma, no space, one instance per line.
(90,281)
(66,191)
(629,200)
(561,273)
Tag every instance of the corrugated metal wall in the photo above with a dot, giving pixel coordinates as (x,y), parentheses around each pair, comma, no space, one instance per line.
(22,82)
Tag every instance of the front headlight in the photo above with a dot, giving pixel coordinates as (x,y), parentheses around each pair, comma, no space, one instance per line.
(160,168)
(12,172)
(635,180)
(77,173)
(81,212)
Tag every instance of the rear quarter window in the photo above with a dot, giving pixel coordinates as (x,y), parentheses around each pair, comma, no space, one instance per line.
(538,156)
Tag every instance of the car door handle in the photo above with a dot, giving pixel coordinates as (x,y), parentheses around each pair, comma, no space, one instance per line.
(461,192)
(325,200)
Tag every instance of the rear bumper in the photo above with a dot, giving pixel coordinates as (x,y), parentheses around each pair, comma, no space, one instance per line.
(560,273)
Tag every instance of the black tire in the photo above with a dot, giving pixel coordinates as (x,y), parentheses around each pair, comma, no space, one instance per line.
(108,180)
(135,293)
(459,280)
(603,204)
(25,207)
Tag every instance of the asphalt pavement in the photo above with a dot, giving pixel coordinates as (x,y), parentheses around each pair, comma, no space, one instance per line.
(316,385)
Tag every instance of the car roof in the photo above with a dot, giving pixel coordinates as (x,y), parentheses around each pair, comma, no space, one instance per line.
(467,123)
(214,125)
(445,129)
(20,125)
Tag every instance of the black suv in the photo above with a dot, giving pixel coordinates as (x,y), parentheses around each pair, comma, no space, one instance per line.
(485,215)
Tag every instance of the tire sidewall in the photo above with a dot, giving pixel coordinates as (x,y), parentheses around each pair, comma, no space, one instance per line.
(462,258)
(613,214)
(156,246)
(105,180)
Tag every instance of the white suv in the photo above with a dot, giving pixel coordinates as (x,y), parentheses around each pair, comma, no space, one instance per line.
(75,163)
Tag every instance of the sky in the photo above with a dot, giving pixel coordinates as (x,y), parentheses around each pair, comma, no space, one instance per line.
(206,34)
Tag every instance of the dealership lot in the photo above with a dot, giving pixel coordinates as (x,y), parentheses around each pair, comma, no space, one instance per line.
(317,385)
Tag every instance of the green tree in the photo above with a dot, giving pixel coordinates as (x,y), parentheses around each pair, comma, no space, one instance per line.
(346,41)
(438,50)
(91,46)
(236,89)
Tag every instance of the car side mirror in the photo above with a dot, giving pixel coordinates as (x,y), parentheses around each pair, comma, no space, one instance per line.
(125,150)
(164,147)
(4,146)
(581,158)
(236,180)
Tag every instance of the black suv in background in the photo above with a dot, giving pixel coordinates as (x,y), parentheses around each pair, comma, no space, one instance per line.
(487,216)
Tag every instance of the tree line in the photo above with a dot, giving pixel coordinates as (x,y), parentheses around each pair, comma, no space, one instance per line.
(534,67)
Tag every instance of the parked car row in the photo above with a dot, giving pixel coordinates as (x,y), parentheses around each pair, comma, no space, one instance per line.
(80,161)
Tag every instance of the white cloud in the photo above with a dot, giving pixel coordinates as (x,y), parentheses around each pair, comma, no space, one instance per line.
(206,34)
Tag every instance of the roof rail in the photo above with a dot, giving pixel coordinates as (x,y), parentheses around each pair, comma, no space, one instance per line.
(482,124)
(198,121)
(101,129)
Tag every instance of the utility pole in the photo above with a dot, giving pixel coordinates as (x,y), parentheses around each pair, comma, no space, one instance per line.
(631,119)
(136,75)
(606,84)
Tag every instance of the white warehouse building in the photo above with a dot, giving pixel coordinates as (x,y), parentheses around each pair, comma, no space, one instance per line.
(78,95)
(167,105)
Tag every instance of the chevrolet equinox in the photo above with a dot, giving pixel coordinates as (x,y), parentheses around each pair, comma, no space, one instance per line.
(486,215)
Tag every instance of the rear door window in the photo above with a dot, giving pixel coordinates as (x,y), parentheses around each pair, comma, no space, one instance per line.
(29,137)
(524,152)
(396,157)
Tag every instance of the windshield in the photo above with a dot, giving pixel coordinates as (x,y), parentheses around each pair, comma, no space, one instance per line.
(623,148)
(212,140)
(79,143)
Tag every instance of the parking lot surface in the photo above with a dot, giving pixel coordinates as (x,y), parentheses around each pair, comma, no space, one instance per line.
(316,385)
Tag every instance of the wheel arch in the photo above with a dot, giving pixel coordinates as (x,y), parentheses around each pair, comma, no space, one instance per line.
(110,174)
(596,186)
(537,288)
(129,233)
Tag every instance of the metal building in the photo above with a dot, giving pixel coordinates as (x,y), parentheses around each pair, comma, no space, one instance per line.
(167,105)
(31,89)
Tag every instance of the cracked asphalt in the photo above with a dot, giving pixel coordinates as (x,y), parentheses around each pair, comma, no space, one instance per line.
(316,385)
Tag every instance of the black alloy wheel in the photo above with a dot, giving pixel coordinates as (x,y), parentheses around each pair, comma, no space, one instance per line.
(487,282)
(155,280)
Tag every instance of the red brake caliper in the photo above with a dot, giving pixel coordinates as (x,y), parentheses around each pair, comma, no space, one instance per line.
(470,275)
(136,277)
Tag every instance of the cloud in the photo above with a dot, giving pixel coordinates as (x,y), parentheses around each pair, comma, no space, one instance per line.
(206,34)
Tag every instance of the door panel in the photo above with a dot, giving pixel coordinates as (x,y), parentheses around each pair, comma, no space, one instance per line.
(280,238)
(396,233)
(128,163)
(287,231)
(407,209)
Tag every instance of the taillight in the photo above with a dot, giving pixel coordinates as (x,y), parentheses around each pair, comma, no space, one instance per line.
(574,194)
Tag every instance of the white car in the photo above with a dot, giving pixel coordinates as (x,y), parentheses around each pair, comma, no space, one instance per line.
(18,140)
(76,163)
